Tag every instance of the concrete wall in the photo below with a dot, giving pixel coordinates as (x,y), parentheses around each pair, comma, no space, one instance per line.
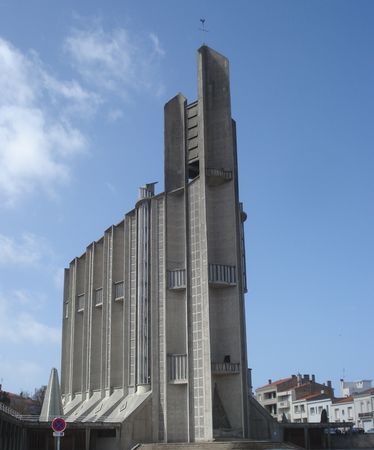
(353,441)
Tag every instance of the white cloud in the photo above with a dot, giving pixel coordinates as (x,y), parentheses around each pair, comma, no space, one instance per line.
(157,45)
(115,114)
(36,136)
(18,325)
(27,250)
(115,60)
(20,374)
(58,278)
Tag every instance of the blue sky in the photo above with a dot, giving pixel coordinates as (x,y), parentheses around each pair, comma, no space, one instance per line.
(83,86)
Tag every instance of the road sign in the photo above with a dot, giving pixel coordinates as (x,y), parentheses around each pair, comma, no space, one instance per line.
(58,434)
(58,424)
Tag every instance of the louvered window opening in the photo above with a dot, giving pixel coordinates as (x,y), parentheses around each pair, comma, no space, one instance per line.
(99,297)
(177,279)
(81,299)
(219,273)
(226,174)
(177,365)
(118,290)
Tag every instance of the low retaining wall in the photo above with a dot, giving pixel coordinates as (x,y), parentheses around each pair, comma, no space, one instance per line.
(352,441)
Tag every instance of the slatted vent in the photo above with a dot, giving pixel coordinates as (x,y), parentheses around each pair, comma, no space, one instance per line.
(177,365)
(222,275)
(177,279)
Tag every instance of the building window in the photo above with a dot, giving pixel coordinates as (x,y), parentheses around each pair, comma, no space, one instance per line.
(336,413)
(296,409)
(302,408)
(81,300)
(350,415)
(118,290)
(99,297)
(320,409)
(312,411)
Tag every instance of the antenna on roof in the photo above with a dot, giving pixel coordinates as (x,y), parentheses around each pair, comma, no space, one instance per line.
(203,29)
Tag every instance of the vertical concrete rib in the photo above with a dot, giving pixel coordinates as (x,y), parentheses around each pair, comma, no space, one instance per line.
(223,230)
(73,295)
(143,373)
(174,141)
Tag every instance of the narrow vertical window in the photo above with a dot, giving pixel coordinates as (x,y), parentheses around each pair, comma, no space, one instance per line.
(99,297)
(118,290)
(80,305)
(66,310)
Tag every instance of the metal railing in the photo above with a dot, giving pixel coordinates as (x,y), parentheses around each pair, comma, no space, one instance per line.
(225,368)
(36,417)
(221,173)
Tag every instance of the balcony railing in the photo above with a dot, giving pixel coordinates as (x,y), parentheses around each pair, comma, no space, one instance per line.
(225,368)
(222,275)
(225,175)
(177,367)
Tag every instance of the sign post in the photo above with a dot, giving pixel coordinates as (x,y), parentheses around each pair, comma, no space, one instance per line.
(58,426)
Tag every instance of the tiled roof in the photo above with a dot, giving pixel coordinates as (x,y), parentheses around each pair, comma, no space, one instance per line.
(367,391)
(317,396)
(275,383)
(343,399)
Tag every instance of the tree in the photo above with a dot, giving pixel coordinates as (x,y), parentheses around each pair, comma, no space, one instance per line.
(324,416)
(39,395)
(4,398)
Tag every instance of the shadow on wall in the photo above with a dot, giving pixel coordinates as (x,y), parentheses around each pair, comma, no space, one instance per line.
(262,426)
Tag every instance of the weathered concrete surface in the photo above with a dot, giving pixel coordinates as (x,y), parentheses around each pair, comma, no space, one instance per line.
(218,445)
(352,441)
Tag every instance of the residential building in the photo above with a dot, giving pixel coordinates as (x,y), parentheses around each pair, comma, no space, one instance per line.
(316,403)
(279,397)
(364,409)
(343,410)
(154,323)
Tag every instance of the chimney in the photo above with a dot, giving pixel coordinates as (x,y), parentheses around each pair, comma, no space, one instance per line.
(313,378)
(269,380)
(306,377)
(329,384)
(293,376)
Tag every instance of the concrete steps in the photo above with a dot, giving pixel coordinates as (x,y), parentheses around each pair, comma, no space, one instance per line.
(217,445)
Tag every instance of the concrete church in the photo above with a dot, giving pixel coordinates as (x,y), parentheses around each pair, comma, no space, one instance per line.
(154,324)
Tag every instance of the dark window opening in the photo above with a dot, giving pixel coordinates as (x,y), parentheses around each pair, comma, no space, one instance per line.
(106,433)
(193,170)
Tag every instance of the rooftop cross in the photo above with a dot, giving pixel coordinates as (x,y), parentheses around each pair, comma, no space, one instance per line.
(203,29)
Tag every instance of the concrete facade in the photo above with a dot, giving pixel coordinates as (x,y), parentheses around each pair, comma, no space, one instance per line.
(154,323)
